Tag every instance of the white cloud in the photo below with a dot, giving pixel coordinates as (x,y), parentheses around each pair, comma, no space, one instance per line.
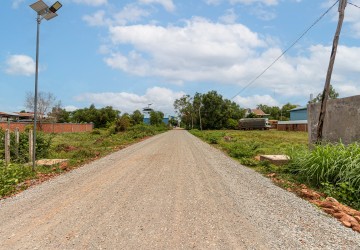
(229,17)
(20,65)
(167,4)
(204,51)
(91,2)
(97,19)
(248,2)
(70,108)
(162,99)
(253,101)
(16,3)
(129,14)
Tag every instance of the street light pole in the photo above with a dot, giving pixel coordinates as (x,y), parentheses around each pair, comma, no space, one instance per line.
(38,20)
(43,11)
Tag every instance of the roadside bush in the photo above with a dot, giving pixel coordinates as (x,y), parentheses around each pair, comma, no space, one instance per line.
(242,150)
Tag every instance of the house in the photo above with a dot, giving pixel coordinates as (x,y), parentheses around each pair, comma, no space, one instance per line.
(6,116)
(258,112)
(298,121)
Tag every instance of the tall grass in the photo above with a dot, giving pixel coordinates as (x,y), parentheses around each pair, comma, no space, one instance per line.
(334,167)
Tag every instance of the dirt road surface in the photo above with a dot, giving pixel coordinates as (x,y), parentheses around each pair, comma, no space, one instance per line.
(171,191)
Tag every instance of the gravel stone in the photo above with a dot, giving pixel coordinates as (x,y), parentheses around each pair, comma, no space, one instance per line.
(172,191)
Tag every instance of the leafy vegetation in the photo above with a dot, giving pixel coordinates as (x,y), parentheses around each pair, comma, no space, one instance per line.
(334,169)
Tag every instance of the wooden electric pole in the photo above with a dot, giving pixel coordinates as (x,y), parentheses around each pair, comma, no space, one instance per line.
(325,95)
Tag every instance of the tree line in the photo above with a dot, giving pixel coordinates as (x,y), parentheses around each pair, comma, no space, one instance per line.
(212,111)
(49,109)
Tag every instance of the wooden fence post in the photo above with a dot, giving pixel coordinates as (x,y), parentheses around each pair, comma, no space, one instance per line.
(17,142)
(7,147)
(31,145)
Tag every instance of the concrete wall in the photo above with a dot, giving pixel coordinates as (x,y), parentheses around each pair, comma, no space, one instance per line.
(49,127)
(342,120)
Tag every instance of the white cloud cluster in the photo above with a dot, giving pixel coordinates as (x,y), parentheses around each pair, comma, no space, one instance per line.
(20,65)
(167,4)
(161,99)
(91,2)
(246,2)
(253,101)
(203,51)
(129,14)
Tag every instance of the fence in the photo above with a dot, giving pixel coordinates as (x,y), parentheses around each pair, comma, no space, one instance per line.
(49,127)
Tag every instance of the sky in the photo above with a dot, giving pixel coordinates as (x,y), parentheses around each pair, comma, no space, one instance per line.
(128,54)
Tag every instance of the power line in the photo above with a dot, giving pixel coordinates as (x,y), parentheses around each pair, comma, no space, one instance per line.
(354,5)
(285,51)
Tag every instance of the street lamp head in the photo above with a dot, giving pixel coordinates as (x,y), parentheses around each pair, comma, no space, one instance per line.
(44,10)
(55,7)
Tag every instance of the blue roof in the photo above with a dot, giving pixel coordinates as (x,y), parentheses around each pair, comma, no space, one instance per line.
(300,108)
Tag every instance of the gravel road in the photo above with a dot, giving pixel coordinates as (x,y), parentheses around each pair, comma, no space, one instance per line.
(171,191)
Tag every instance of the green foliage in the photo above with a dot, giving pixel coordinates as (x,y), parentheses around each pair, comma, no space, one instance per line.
(11,176)
(211,108)
(332,95)
(251,115)
(137,118)
(213,140)
(336,167)
(343,192)
(122,123)
(156,118)
(101,118)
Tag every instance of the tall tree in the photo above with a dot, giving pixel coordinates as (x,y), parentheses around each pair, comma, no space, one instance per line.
(44,102)
(332,95)
(156,117)
(184,108)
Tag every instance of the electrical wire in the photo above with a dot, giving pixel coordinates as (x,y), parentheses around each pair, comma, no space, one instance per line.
(285,51)
(354,5)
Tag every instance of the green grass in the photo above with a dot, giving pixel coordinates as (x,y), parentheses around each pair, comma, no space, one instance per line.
(332,168)
(79,148)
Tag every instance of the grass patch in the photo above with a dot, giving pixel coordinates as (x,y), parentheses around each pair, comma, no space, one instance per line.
(333,169)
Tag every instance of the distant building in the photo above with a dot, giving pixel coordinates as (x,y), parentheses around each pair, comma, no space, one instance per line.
(6,116)
(258,112)
(298,121)
(147,120)
(298,114)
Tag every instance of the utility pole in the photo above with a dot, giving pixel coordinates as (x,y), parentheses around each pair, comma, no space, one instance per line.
(325,95)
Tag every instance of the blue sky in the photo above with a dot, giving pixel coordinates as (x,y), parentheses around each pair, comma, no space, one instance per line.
(130,53)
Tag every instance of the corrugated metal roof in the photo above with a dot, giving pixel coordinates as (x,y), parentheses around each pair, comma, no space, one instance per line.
(292,122)
(300,108)
(8,114)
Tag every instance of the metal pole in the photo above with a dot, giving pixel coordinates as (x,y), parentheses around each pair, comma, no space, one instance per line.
(325,95)
(38,20)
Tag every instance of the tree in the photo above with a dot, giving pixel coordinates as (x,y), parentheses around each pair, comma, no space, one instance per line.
(332,95)
(184,108)
(59,114)
(123,123)
(137,117)
(156,117)
(44,102)
(101,118)
(285,111)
